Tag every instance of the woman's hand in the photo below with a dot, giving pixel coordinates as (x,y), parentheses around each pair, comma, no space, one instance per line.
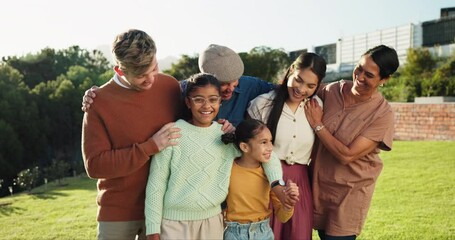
(292,191)
(313,112)
(288,195)
(291,194)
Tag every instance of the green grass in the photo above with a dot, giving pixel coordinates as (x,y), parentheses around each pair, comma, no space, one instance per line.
(58,212)
(414,199)
(415,194)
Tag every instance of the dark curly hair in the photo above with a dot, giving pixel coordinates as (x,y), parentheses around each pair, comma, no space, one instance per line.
(246,130)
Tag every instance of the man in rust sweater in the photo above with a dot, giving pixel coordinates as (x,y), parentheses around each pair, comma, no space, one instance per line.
(124,129)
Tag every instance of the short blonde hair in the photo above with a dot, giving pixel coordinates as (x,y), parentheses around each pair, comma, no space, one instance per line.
(133,51)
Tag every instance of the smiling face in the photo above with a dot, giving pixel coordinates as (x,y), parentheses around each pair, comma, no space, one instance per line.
(204,103)
(227,89)
(301,85)
(259,148)
(143,81)
(366,77)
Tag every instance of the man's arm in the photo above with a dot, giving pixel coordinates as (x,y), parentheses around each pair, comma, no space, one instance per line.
(259,86)
(102,161)
(263,86)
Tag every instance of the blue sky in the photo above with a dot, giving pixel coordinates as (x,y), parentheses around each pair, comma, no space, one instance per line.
(187,27)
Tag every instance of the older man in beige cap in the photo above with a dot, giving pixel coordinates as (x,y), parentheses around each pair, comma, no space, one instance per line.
(236,90)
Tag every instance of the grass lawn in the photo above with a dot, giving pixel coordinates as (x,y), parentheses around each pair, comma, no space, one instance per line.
(414,199)
(58,212)
(415,194)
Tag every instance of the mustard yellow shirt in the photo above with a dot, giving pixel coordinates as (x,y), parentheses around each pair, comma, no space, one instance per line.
(249,196)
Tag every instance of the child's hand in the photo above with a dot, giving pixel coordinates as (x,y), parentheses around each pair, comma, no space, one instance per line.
(291,194)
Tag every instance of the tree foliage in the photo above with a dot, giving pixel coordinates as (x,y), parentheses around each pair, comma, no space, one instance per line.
(18,112)
(266,63)
(57,170)
(49,63)
(423,75)
(40,100)
(263,62)
(184,68)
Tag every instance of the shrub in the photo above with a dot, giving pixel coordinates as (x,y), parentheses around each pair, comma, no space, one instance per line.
(57,170)
(27,178)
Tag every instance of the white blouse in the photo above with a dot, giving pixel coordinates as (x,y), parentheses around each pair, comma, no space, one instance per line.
(294,136)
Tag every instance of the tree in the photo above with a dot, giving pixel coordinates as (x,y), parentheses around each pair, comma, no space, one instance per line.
(417,70)
(60,105)
(423,75)
(35,68)
(395,90)
(443,80)
(184,68)
(11,150)
(40,116)
(20,121)
(57,170)
(48,63)
(265,63)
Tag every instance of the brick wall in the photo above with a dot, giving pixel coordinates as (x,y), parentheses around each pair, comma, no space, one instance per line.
(424,121)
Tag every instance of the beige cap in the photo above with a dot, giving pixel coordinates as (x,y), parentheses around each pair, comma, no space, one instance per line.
(223,62)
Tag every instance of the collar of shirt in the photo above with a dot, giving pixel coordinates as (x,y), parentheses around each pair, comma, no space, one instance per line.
(116,80)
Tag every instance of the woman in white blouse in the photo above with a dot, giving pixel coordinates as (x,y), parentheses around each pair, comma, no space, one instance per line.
(283,112)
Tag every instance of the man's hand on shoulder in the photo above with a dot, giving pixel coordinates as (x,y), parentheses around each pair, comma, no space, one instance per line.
(227,126)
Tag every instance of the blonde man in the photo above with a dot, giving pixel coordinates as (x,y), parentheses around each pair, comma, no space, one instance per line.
(124,129)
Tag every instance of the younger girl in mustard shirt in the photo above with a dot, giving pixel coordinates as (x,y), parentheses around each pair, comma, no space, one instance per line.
(248,201)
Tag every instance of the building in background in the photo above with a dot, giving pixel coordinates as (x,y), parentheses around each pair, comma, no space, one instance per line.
(437,35)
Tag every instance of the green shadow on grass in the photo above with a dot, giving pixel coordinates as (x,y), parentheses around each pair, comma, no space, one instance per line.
(47,195)
(6,209)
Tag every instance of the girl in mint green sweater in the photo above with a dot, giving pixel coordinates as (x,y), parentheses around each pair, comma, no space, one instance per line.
(188,182)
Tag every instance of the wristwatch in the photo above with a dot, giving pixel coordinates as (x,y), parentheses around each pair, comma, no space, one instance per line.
(279,182)
(318,128)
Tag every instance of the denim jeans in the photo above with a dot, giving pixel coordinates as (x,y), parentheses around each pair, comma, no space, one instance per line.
(243,231)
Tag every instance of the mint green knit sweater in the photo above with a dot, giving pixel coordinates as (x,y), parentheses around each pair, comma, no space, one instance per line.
(190,181)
